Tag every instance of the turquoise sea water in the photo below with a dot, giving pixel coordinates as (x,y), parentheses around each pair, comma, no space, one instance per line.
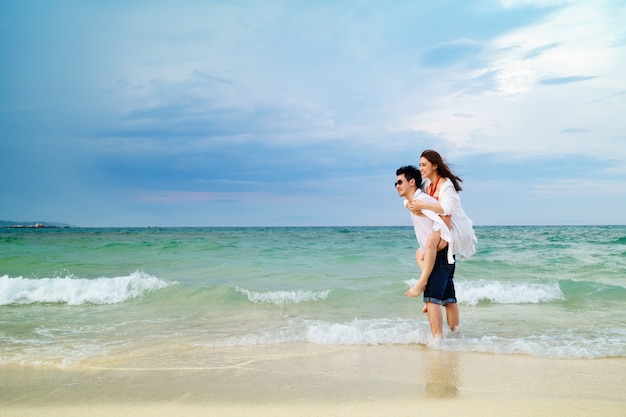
(77,295)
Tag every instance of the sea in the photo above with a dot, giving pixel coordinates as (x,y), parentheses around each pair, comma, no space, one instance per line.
(75,296)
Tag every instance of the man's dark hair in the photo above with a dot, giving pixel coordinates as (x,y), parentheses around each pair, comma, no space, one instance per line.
(410,173)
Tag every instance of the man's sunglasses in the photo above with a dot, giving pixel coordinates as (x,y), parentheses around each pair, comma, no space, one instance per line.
(399,182)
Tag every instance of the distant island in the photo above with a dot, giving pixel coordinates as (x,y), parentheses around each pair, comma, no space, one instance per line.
(30,225)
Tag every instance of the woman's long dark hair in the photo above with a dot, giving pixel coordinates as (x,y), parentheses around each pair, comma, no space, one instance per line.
(442,169)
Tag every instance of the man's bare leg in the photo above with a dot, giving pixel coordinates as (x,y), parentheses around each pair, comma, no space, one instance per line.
(452,315)
(435,318)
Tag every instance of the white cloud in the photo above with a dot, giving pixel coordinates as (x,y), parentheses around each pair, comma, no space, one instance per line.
(513,4)
(514,112)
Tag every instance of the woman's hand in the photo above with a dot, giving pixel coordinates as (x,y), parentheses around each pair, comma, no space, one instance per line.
(416,207)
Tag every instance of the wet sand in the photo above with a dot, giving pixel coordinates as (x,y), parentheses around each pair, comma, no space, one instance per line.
(309,380)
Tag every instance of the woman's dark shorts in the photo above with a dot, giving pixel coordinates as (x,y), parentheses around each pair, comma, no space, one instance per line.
(440,287)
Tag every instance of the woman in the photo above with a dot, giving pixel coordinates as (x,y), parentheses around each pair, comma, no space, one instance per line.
(440,182)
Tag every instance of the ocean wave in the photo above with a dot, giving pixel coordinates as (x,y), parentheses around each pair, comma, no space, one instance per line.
(365,332)
(606,291)
(619,241)
(498,292)
(319,332)
(76,291)
(605,344)
(283,297)
(564,346)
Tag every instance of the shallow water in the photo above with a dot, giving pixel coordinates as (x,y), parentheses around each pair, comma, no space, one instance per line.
(73,295)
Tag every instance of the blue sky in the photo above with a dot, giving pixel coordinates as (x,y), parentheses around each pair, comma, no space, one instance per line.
(295,113)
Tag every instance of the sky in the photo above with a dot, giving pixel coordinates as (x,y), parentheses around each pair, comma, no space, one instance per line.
(161,113)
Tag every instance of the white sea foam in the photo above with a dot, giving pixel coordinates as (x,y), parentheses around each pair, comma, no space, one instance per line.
(365,332)
(498,292)
(76,291)
(561,346)
(401,331)
(283,297)
(473,292)
(355,332)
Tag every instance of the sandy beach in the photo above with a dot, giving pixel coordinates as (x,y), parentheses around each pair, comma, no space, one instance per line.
(310,380)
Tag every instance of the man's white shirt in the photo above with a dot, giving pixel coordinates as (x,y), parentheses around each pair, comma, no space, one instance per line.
(429,222)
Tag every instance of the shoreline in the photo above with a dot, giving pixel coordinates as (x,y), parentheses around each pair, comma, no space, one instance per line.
(305,379)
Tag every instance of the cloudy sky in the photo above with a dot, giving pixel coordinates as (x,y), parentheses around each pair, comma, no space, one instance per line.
(281,113)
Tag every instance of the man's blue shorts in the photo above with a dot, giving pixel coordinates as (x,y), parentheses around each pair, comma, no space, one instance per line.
(440,287)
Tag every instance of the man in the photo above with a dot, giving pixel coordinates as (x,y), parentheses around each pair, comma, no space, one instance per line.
(438,285)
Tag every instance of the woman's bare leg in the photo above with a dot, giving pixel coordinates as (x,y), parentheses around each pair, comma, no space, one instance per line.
(426,261)
(419,286)
(430,254)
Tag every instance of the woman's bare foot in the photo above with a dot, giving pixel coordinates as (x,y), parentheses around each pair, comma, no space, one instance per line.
(416,290)
(413,293)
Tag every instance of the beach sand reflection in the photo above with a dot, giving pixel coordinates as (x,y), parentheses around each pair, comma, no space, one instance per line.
(442,375)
